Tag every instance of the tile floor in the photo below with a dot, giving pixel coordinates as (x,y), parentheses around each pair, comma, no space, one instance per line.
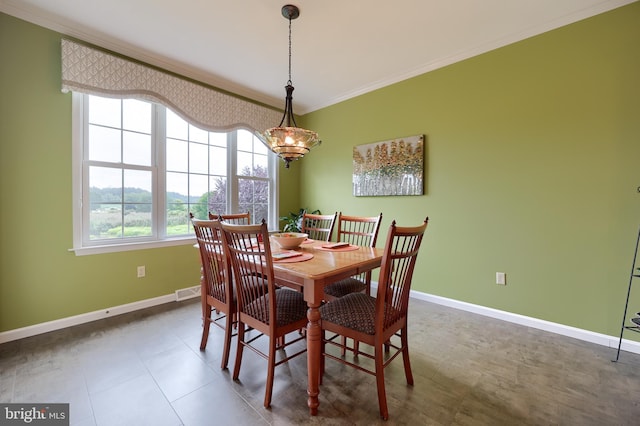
(145,368)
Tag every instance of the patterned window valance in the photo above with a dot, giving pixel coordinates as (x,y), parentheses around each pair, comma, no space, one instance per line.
(93,71)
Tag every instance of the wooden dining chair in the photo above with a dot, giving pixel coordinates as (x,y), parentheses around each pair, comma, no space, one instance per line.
(271,311)
(359,231)
(215,284)
(234,218)
(376,320)
(318,226)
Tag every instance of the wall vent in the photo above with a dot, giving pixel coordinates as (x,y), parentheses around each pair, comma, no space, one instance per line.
(187,293)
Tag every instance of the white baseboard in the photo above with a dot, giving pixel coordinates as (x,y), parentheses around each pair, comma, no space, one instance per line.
(565,330)
(552,327)
(45,327)
(576,333)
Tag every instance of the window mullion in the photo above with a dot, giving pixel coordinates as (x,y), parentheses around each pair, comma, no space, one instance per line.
(159,182)
(83,168)
(274,195)
(233,203)
(122,171)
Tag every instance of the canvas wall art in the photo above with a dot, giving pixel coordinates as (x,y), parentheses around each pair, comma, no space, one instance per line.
(392,167)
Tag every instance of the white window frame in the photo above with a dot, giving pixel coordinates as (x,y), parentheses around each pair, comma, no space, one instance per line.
(83,246)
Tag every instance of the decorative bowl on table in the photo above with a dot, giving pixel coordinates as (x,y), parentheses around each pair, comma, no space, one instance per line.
(289,240)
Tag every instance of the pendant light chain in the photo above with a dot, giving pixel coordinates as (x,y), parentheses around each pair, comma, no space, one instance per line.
(289,82)
(290,142)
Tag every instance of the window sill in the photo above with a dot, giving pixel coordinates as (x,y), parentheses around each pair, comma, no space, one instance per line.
(114,248)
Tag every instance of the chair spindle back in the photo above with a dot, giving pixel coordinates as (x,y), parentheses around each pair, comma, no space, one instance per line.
(214,268)
(396,271)
(318,226)
(249,252)
(233,218)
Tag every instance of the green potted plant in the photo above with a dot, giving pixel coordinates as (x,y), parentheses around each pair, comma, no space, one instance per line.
(293,222)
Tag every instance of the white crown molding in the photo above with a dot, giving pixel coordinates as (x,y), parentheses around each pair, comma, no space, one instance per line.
(106,42)
(475,51)
(58,24)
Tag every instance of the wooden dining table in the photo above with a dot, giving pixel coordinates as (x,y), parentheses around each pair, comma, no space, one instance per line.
(311,276)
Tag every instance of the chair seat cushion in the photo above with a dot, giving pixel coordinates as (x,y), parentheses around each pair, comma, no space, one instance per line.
(290,307)
(355,311)
(343,287)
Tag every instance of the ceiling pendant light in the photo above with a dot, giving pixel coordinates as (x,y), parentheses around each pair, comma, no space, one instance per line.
(290,142)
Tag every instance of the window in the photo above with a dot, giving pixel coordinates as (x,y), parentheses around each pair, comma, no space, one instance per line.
(140,169)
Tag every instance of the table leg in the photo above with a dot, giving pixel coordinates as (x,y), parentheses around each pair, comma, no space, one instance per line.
(313,357)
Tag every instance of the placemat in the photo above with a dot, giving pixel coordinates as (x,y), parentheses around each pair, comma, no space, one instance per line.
(350,247)
(301,258)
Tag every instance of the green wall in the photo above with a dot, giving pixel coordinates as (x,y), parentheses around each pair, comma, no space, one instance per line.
(532,168)
(40,279)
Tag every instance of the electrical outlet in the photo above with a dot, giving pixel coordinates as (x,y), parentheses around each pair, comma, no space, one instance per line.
(141,272)
(501,278)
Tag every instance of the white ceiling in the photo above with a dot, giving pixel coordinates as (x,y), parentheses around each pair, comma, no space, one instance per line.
(341,49)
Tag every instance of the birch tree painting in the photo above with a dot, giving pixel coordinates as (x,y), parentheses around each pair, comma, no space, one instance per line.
(393,167)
